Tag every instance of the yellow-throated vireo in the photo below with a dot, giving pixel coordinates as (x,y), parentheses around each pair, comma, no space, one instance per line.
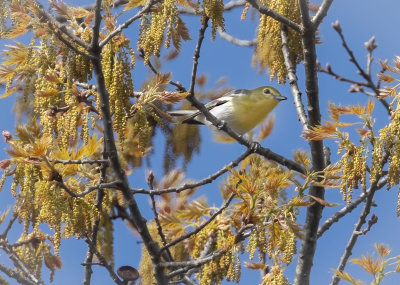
(241,109)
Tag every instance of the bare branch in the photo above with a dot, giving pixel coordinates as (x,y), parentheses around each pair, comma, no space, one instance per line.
(111,153)
(61,27)
(96,26)
(127,23)
(291,68)
(236,41)
(150,180)
(16,275)
(202,226)
(365,74)
(197,56)
(275,15)
(361,221)
(204,181)
(18,263)
(227,7)
(8,228)
(314,212)
(70,45)
(112,185)
(347,209)
(328,70)
(321,13)
(95,229)
(104,263)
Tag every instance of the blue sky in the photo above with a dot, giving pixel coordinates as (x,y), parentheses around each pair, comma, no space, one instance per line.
(360,19)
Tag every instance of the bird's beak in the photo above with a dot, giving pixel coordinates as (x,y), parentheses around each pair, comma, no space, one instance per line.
(280,98)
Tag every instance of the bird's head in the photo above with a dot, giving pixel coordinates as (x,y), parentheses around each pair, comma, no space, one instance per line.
(265,93)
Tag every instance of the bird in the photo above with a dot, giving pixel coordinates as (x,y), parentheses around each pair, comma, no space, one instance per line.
(241,109)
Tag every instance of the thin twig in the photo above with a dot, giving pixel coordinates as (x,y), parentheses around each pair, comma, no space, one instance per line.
(275,15)
(236,41)
(361,71)
(128,22)
(60,26)
(321,13)
(95,229)
(328,70)
(8,228)
(104,263)
(16,275)
(150,180)
(361,221)
(111,185)
(72,161)
(18,263)
(202,182)
(291,68)
(197,56)
(70,45)
(347,209)
(202,226)
(227,7)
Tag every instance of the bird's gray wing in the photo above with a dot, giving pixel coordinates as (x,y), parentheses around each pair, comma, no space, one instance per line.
(214,103)
(191,118)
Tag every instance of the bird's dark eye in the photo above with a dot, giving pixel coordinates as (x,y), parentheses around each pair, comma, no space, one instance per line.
(267,91)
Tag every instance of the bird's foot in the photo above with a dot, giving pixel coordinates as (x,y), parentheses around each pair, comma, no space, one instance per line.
(221,125)
(255,146)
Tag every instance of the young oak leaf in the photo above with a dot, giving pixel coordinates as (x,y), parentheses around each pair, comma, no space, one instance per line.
(132,4)
(347,277)
(368,264)
(266,128)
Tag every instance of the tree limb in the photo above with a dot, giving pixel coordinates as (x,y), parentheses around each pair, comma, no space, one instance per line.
(321,13)
(204,181)
(202,226)
(236,41)
(128,22)
(111,153)
(347,209)
(18,263)
(291,68)
(95,229)
(104,263)
(314,212)
(275,15)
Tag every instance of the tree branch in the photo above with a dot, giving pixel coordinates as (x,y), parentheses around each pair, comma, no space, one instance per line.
(111,153)
(202,226)
(347,209)
(18,263)
(275,15)
(361,221)
(16,275)
(60,26)
(365,74)
(236,41)
(95,229)
(291,68)
(104,263)
(321,13)
(227,7)
(314,212)
(202,182)
(150,180)
(128,22)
